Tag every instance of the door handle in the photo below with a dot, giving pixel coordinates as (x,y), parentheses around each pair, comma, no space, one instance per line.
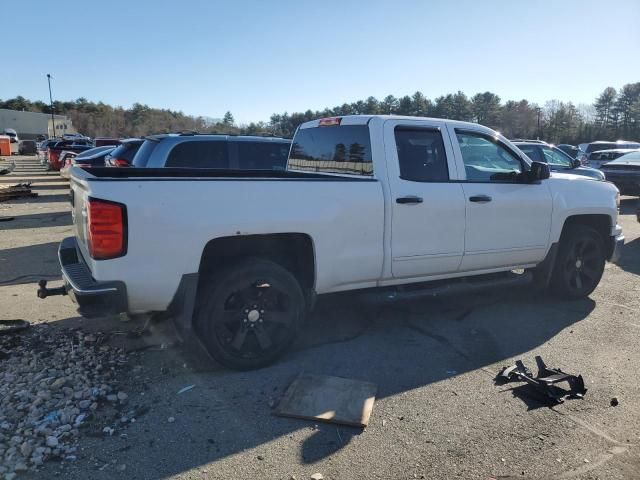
(480,198)
(410,199)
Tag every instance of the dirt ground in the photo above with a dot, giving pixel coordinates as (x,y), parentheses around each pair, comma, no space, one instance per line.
(438,413)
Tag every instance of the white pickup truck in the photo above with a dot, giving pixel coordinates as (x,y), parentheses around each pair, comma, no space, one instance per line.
(370,203)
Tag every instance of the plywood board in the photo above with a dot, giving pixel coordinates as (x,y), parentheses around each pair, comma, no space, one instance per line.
(328,399)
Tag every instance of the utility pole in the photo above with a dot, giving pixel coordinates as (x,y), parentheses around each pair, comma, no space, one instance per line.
(53,121)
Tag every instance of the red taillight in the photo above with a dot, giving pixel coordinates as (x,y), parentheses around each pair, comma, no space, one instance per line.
(118,162)
(68,162)
(106,229)
(330,121)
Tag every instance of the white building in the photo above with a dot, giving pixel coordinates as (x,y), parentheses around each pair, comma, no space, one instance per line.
(30,125)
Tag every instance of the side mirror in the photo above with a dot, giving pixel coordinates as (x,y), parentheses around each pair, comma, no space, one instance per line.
(576,163)
(539,171)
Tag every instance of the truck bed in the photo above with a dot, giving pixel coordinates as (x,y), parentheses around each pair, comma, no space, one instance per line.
(109,173)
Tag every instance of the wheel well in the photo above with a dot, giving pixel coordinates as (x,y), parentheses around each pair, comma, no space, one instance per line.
(294,251)
(600,223)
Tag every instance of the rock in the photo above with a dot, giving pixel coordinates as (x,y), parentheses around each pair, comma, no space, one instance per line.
(122,468)
(84,404)
(260,457)
(52,441)
(58,383)
(112,398)
(317,476)
(122,396)
(20,467)
(614,402)
(171,419)
(26,449)
(9,476)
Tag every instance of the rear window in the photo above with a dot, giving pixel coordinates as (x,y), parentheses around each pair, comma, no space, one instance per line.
(143,154)
(262,155)
(126,151)
(334,149)
(198,154)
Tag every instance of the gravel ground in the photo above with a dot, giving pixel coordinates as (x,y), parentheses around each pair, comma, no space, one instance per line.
(438,413)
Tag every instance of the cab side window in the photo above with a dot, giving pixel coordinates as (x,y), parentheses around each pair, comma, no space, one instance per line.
(486,159)
(421,155)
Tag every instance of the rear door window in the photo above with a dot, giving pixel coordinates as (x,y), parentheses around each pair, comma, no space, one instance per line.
(199,154)
(332,149)
(262,155)
(421,155)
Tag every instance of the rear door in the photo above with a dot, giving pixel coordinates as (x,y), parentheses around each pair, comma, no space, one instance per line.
(427,209)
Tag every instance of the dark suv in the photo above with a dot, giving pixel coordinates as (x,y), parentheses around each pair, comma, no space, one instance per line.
(213,151)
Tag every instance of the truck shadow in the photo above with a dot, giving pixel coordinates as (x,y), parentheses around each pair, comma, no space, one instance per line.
(401,348)
(38,220)
(28,264)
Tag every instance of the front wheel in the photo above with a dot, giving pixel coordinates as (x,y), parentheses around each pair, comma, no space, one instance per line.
(579,264)
(249,314)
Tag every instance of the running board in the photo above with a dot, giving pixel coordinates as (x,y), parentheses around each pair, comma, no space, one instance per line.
(460,287)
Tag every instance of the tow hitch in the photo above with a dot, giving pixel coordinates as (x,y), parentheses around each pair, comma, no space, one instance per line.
(546,381)
(44,292)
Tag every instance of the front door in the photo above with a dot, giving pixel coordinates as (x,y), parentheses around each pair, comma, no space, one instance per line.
(427,212)
(508,222)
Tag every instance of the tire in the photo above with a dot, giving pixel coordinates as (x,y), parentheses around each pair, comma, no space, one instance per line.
(579,264)
(249,314)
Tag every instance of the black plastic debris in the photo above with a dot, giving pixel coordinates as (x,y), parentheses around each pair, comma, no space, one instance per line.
(546,381)
(12,326)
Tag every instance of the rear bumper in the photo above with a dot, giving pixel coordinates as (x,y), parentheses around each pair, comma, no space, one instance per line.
(93,298)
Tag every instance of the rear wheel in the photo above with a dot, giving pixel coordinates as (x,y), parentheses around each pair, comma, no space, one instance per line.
(579,264)
(249,314)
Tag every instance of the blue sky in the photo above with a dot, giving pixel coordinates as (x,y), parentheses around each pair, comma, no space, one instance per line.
(256,58)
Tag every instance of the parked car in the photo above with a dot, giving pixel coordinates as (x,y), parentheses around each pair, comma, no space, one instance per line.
(600,157)
(12,134)
(54,150)
(93,157)
(570,150)
(557,160)
(213,151)
(366,202)
(624,172)
(104,141)
(123,154)
(586,149)
(28,147)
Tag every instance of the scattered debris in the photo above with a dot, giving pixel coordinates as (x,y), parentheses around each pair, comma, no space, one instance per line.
(171,419)
(328,399)
(46,380)
(546,381)
(185,389)
(614,402)
(16,190)
(5,170)
(317,476)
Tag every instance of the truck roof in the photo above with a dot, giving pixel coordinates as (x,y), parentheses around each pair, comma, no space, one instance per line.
(365,119)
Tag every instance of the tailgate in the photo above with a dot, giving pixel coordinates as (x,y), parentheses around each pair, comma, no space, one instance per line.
(78,197)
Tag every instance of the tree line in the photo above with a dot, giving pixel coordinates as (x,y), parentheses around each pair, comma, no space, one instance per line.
(615,114)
